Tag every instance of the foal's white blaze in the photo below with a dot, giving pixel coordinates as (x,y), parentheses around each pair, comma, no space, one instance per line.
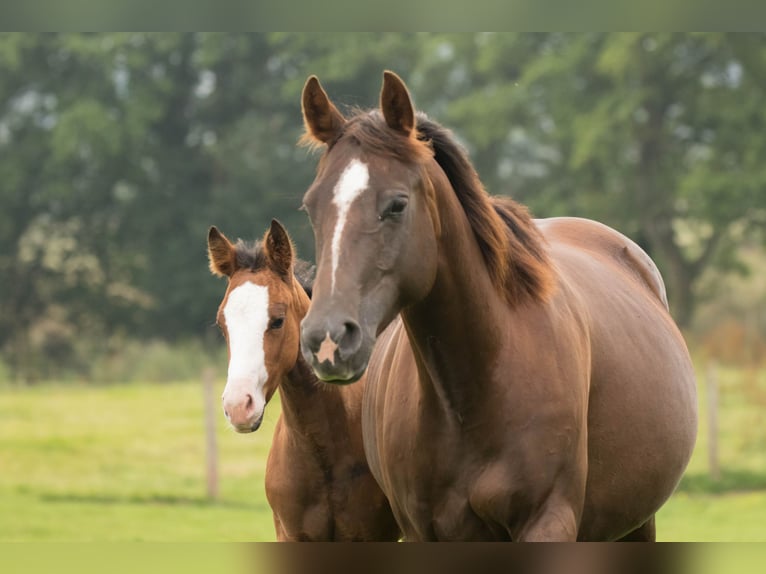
(247,317)
(353,181)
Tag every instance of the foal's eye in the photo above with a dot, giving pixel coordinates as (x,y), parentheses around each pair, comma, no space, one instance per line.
(395,208)
(277,323)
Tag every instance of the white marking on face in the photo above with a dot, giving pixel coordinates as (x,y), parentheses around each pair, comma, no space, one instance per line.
(353,181)
(327,350)
(247,318)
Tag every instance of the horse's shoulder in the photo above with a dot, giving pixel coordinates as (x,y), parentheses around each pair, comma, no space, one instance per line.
(604,245)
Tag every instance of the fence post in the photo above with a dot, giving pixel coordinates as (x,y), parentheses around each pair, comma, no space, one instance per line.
(211,446)
(712,420)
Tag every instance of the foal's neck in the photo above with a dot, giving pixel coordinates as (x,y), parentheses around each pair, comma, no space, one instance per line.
(310,408)
(314,412)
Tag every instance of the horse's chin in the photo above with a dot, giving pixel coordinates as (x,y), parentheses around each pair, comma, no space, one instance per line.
(247,429)
(338,374)
(342,381)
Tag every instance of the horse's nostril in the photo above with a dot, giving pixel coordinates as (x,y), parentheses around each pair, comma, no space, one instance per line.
(345,336)
(352,337)
(312,339)
(249,402)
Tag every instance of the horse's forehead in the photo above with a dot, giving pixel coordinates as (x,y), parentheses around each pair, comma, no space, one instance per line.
(351,167)
(242,276)
(263,278)
(352,182)
(248,297)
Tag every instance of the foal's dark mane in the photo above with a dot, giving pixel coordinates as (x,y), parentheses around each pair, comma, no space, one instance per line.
(512,246)
(252,255)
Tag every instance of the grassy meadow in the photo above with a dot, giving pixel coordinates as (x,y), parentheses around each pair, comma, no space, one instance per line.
(127,462)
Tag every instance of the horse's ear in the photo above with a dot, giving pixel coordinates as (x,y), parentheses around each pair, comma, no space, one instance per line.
(279,249)
(396,105)
(220,253)
(322,119)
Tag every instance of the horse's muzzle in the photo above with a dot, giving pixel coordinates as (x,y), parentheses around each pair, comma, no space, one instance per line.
(336,349)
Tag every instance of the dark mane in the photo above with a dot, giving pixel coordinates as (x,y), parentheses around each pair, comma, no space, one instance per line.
(511,244)
(304,272)
(512,247)
(251,255)
(369,130)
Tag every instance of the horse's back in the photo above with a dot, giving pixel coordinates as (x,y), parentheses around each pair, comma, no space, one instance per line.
(608,246)
(642,398)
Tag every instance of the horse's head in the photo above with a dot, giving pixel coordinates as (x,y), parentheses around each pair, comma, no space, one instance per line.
(372,208)
(260,318)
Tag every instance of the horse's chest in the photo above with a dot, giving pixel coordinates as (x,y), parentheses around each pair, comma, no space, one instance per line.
(436,511)
(428,489)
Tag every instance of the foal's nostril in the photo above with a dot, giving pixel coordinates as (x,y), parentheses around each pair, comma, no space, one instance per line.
(249,402)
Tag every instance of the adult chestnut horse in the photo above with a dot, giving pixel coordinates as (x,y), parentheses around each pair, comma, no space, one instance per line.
(536,388)
(317,479)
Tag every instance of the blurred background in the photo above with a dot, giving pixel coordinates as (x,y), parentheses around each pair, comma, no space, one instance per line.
(118,151)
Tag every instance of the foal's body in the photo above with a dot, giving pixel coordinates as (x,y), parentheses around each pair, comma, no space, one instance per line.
(535,388)
(318,483)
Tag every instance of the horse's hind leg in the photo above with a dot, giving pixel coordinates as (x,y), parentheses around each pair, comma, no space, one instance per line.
(644,533)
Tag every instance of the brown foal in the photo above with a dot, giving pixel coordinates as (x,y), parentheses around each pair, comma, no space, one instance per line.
(318,482)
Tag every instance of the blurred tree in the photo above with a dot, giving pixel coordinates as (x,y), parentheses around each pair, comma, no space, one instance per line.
(58,143)
(117,151)
(658,135)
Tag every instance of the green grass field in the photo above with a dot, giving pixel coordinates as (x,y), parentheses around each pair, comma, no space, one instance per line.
(128,463)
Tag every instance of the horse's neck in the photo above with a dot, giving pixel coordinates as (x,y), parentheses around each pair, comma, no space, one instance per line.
(457,330)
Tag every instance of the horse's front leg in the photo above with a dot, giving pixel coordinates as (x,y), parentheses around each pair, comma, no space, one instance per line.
(556,521)
(281,534)
(647,532)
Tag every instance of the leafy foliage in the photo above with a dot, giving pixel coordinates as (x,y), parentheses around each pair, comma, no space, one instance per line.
(117,151)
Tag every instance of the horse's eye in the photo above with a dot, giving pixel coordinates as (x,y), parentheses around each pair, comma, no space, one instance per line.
(277,323)
(395,208)
(398,205)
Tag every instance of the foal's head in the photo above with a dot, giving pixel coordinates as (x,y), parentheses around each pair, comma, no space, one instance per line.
(372,207)
(260,318)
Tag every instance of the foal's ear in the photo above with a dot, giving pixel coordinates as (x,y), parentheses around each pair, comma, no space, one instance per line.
(322,119)
(220,253)
(279,249)
(396,104)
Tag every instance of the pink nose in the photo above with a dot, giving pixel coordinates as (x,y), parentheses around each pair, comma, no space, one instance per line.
(239,409)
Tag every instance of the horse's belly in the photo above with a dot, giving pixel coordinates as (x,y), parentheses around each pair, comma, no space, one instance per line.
(642,418)
(642,424)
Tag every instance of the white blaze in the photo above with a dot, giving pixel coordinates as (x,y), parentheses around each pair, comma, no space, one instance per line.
(353,181)
(247,317)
